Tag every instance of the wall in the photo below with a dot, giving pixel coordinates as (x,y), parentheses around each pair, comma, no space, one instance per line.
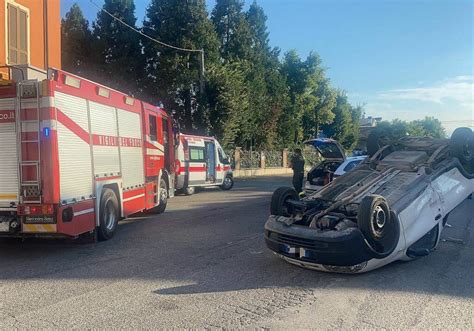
(37,40)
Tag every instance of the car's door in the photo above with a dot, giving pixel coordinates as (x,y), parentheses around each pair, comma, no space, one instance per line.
(210,157)
(452,188)
(197,165)
(420,217)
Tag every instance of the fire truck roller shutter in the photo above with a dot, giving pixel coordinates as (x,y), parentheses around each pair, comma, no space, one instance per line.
(131,149)
(75,166)
(105,140)
(8,164)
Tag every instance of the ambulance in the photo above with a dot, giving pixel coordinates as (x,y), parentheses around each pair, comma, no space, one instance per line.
(201,162)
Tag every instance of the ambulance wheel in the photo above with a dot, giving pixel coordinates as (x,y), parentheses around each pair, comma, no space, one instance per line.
(109,215)
(163,194)
(189,190)
(228,183)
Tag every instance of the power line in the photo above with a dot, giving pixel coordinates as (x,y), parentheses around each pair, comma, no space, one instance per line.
(143,34)
(456,121)
(201,51)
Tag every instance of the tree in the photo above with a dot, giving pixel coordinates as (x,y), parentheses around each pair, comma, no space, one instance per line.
(76,41)
(323,97)
(311,96)
(174,76)
(118,48)
(228,103)
(429,126)
(232,30)
(345,127)
(266,84)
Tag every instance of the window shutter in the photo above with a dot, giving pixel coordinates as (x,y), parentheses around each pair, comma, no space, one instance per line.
(23,28)
(17,35)
(12,35)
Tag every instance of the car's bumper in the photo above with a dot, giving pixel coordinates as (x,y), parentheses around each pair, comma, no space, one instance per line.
(317,249)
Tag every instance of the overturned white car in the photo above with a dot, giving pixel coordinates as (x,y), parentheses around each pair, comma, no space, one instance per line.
(393,206)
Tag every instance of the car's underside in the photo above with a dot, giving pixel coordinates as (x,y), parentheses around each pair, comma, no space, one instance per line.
(356,217)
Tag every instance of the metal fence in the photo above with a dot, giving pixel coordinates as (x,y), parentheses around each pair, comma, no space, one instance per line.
(273,159)
(250,159)
(311,156)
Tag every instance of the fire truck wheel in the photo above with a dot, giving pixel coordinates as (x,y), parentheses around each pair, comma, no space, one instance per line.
(189,190)
(228,183)
(109,215)
(163,199)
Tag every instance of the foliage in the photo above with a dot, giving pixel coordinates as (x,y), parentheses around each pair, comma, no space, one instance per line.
(76,41)
(345,127)
(429,126)
(249,159)
(248,96)
(117,48)
(273,159)
(174,76)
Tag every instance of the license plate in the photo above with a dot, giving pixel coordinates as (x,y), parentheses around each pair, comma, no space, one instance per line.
(39,219)
(4,226)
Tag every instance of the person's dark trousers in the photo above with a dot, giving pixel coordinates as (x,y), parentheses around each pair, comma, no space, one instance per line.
(298,181)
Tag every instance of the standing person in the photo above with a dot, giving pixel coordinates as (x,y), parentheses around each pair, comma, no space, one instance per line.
(297,164)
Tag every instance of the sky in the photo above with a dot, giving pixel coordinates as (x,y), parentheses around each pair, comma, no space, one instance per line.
(403,59)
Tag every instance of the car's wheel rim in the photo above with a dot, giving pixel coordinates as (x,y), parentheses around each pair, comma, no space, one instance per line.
(110,216)
(379,219)
(163,195)
(227,182)
(467,149)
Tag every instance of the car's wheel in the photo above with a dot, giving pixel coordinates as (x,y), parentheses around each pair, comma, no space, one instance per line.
(228,183)
(462,147)
(109,215)
(379,226)
(279,205)
(375,141)
(189,190)
(163,196)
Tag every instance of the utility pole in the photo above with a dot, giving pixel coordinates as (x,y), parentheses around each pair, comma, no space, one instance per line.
(201,71)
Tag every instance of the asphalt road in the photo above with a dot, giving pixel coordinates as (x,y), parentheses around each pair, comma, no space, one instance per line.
(204,264)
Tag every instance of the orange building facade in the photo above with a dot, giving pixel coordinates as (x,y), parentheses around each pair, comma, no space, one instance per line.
(30,33)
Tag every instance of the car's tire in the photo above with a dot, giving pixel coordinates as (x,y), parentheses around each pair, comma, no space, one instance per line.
(279,205)
(163,196)
(375,141)
(462,146)
(109,215)
(228,183)
(189,190)
(378,225)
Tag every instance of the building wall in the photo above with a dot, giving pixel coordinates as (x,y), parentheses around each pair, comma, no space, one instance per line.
(36,32)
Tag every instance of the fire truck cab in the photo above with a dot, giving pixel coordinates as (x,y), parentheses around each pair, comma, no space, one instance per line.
(201,162)
(77,156)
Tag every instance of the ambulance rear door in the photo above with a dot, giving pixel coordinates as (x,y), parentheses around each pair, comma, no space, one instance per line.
(197,165)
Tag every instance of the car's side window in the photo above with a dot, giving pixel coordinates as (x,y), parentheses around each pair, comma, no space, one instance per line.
(222,157)
(196,154)
(351,165)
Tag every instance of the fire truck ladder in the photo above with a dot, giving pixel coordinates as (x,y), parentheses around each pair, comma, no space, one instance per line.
(30,188)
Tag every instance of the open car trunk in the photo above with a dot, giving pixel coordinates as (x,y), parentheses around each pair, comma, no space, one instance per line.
(322,173)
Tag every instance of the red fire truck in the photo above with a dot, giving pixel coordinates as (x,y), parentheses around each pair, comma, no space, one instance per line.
(77,156)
